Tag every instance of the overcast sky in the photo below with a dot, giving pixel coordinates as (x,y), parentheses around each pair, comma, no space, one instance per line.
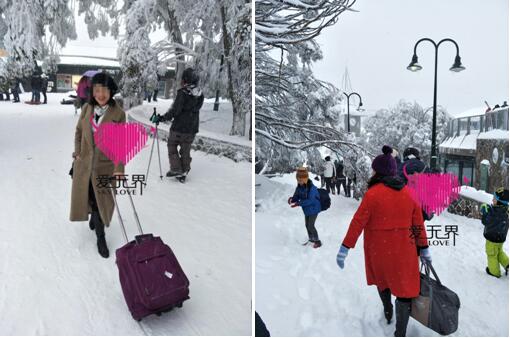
(376,45)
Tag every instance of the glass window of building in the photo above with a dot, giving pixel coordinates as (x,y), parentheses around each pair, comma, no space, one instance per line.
(463,126)
(455,124)
(475,125)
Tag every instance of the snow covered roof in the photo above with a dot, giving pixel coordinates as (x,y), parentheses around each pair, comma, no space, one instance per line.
(494,134)
(470,112)
(467,142)
(88,61)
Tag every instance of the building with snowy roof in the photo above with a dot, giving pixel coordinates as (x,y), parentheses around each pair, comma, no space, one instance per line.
(476,148)
(71,67)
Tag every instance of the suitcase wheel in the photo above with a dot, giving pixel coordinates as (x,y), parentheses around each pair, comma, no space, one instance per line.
(179,305)
(158,314)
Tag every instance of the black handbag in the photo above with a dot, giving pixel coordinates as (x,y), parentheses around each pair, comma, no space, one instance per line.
(437,307)
(71,170)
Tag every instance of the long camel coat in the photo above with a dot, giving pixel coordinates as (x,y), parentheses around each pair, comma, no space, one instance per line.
(92,164)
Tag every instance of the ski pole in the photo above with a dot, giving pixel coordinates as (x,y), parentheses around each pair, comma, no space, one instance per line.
(152,147)
(150,158)
(157,141)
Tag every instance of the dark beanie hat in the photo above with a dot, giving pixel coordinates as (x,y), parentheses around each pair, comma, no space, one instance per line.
(501,196)
(411,151)
(385,164)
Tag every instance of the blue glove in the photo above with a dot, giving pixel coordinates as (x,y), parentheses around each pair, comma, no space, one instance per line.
(484,208)
(340,257)
(425,255)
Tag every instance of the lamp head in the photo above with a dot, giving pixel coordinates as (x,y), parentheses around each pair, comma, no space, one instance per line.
(414,66)
(457,65)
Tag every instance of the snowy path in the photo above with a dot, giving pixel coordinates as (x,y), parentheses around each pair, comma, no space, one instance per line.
(300,291)
(52,280)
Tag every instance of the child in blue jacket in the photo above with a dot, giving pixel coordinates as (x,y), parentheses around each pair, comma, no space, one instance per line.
(307,197)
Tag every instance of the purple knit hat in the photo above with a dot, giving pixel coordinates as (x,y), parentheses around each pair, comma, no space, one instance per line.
(385,164)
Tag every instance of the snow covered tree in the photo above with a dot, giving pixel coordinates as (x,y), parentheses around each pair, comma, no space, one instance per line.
(296,113)
(36,30)
(137,59)
(404,125)
(199,34)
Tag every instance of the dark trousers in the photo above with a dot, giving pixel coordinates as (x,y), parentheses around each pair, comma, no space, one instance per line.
(36,96)
(349,187)
(96,216)
(180,159)
(15,95)
(403,310)
(341,181)
(313,236)
(330,187)
(45,98)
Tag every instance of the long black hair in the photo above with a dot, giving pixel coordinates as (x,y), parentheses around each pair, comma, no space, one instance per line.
(107,81)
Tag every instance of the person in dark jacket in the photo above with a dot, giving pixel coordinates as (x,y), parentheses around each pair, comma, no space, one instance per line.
(394,235)
(4,89)
(44,87)
(307,197)
(15,90)
(495,220)
(412,165)
(184,115)
(36,84)
(341,179)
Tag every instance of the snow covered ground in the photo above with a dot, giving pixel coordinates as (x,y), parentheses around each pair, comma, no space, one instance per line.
(300,291)
(53,281)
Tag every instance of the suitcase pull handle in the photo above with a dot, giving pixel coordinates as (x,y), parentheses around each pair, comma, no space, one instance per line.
(140,238)
(140,230)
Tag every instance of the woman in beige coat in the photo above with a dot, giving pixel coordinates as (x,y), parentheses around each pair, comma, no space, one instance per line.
(90,192)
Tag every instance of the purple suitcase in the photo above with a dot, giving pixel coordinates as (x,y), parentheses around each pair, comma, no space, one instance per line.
(152,279)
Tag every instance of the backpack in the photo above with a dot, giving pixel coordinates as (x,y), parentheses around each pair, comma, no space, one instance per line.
(324,199)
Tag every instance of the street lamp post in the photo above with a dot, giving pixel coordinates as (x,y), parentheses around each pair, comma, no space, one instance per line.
(414,67)
(348,108)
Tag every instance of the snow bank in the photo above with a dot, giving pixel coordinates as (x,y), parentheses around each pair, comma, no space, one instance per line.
(477,195)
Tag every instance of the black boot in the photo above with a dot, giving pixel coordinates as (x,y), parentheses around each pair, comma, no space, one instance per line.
(490,274)
(388,307)
(101,240)
(403,310)
(94,219)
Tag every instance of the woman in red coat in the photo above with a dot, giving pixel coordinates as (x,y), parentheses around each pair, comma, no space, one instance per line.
(394,236)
